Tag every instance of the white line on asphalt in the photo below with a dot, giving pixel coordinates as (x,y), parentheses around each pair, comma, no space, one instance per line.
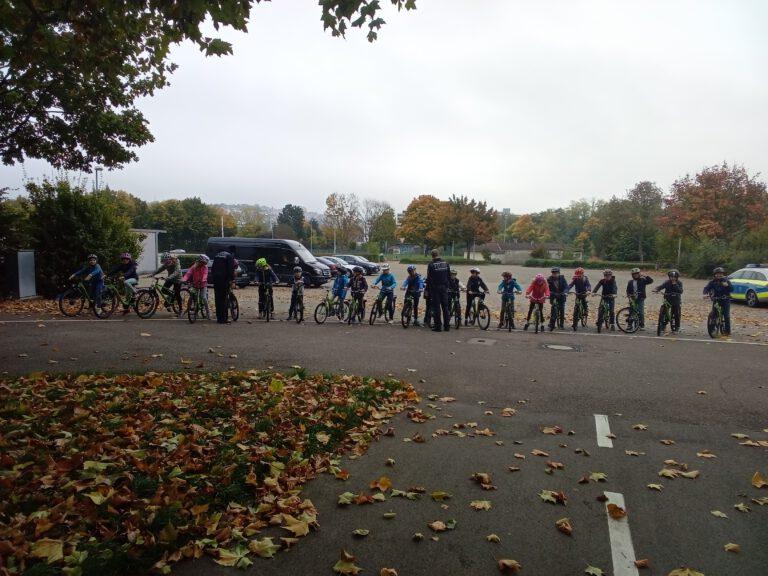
(603,431)
(88,320)
(622,551)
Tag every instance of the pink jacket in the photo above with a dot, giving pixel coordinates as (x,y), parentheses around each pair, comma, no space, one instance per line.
(197,275)
(538,292)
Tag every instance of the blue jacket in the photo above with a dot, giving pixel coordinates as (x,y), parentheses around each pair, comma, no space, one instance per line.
(719,288)
(581,285)
(557,287)
(414,283)
(507,289)
(388,282)
(340,285)
(95,272)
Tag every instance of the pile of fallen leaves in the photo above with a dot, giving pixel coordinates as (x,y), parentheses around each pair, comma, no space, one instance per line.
(121,474)
(30,306)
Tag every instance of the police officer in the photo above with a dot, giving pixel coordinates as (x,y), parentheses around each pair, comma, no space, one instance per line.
(223,273)
(438,280)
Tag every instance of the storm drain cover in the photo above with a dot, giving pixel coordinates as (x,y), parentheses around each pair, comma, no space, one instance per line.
(483,341)
(561,347)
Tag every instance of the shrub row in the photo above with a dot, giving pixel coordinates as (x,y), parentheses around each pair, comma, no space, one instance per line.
(548,263)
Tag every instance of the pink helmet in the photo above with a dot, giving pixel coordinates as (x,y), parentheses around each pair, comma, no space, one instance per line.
(539,278)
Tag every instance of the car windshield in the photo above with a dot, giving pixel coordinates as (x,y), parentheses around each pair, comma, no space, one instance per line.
(304,254)
(363,258)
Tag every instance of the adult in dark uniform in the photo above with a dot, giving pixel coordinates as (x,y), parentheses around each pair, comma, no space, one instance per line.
(438,281)
(223,276)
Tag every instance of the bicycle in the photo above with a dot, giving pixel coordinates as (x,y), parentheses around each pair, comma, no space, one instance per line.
(716,319)
(331,306)
(356,310)
(407,311)
(454,309)
(478,312)
(554,311)
(196,305)
(538,319)
(73,300)
(148,300)
(509,314)
(666,317)
(298,307)
(378,309)
(604,312)
(268,307)
(233,304)
(122,295)
(580,311)
(628,318)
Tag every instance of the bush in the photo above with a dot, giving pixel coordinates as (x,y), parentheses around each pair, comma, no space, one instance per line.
(548,263)
(540,252)
(705,257)
(417,259)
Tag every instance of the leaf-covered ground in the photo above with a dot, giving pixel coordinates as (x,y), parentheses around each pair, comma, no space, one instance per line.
(121,474)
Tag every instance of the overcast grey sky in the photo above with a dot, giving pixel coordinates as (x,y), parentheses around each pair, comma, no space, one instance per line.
(525,104)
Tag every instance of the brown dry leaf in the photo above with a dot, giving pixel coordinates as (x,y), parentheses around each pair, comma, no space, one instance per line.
(346,564)
(383,484)
(555,465)
(705,454)
(509,566)
(616,512)
(642,563)
(692,474)
(388,572)
(565,526)
(481,504)
(519,456)
(731,547)
(507,412)
(552,430)
(437,526)
(758,481)
(667,442)
(537,452)
(51,550)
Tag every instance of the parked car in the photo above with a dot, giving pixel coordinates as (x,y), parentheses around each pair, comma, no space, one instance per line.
(750,285)
(332,265)
(241,276)
(367,266)
(282,256)
(340,264)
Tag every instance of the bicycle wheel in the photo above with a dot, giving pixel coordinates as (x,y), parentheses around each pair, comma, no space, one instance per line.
(107,306)
(553,314)
(321,313)
(405,315)
(361,312)
(456,315)
(483,316)
(352,312)
(627,320)
(146,303)
(298,312)
(713,324)
(374,312)
(662,321)
(268,307)
(600,315)
(234,306)
(71,302)
(342,311)
(536,319)
(192,308)
(584,316)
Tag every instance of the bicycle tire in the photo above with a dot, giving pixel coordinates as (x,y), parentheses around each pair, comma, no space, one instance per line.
(192,306)
(298,312)
(268,307)
(600,314)
(405,314)
(536,320)
(483,316)
(352,313)
(713,325)
(374,313)
(343,311)
(108,304)
(146,304)
(627,320)
(584,316)
(321,313)
(71,302)
(662,324)
(234,306)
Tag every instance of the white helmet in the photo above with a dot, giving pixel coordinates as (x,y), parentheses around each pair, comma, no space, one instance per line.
(384,267)
(475,270)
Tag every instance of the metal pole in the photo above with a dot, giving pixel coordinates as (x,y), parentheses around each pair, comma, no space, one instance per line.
(334,240)
(97,170)
(222,226)
(679,248)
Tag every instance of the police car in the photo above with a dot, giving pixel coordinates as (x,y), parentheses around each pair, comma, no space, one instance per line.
(750,284)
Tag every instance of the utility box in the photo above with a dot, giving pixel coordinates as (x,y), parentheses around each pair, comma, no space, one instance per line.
(20,273)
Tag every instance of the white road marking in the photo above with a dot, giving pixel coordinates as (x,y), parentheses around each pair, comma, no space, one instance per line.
(603,431)
(622,551)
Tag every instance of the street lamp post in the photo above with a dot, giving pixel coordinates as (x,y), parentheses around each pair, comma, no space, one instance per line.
(97,170)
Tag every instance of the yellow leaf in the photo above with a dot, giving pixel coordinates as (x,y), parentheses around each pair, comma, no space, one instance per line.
(51,550)
(758,481)
(264,548)
(382,484)
(685,572)
(481,504)
(731,547)
(718,514)
(298,527)
(346,564)
(388,572)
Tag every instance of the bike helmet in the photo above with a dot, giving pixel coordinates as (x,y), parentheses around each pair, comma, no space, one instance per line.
(607,272)
(261,263)
(474,270)
(166,256)
(357,270)
(579,271)
(454,272)
(203,259)
(635,271)
(718,270)
(555,270)
(126,255)
(297,269)
(673,274)
(384,267)
(411,268)
(539,278)
(92,257)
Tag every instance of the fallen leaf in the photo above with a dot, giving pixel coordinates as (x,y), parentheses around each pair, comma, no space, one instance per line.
(145,334)
(493,538)
(481,504)
(685,572)
(263,548)
(389,515)
(741,507)
(346,498)
(298,527)
(564,525)
(418,537)
(598,477)
(552,430)
(439,496)
(553,497)
(640,427)
(718,514)
(705,454)
(390,462)
(616,512)
(361,533)
(739,436)
(437,526)
(731,547)
(537,452)
(237,557)
(758,481)
(593,571)
(657,487)
(346,564)
(667,442)
(383,484)
(388,572)
(509,566)
(51,550)
(642,563)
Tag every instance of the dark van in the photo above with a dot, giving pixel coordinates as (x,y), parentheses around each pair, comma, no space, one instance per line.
(282,256)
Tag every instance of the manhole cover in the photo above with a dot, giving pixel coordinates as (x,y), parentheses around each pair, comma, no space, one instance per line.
(560,347)
(482,341)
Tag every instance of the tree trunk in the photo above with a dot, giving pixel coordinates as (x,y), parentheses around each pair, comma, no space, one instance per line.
(640,248)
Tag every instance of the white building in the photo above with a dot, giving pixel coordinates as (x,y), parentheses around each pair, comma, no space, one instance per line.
(148,261)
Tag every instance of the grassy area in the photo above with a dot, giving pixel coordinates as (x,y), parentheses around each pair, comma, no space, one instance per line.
(105,475)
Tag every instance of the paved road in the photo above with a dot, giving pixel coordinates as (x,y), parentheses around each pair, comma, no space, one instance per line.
(658,383)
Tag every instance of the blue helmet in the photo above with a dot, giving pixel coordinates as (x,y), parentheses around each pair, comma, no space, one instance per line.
(411,268)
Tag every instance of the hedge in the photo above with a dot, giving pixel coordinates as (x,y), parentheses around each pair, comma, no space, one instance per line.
(547,263)
(418,259)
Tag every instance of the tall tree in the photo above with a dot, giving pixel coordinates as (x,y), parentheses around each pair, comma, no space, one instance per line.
(645,203)
(466,221)
(384,227)
(370,212)
(524,229)
(293,216)
(71,73)
(342,215)
(250,221)
(420,221)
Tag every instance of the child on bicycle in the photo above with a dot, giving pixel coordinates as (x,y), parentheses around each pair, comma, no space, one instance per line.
(297,285)
(508,287)
(388,285)
(265,278)
(172,266)
(580,283)
(476,288)
(719,290)
(537,293)
(673,291)
(414,286)
(127,270)
(358,286)
(609,290)
(636,293)
(339,290)
(92,273)
(558,292)
(197,276)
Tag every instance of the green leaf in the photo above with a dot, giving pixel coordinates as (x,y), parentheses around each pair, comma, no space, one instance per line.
(346,498)
(440,496)
(276,386)
(265,548)
(593,571)
(237,557)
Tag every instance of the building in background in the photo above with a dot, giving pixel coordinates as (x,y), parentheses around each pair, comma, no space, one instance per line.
(148,260)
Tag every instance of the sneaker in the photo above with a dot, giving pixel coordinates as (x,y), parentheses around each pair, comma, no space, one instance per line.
(526,326)
(613,328)
(500,326)
(551,328)
(437,329)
